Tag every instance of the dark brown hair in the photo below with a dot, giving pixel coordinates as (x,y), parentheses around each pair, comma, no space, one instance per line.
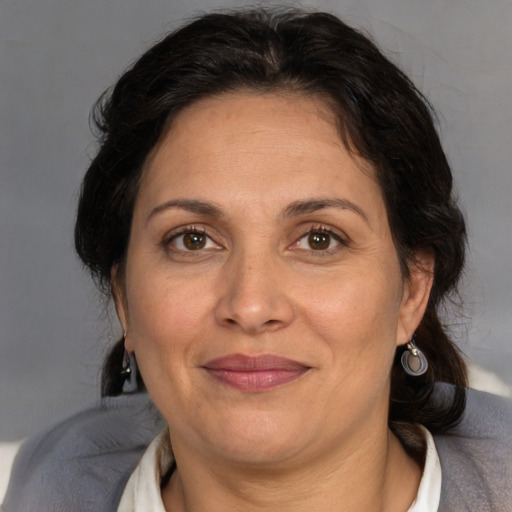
(381,116)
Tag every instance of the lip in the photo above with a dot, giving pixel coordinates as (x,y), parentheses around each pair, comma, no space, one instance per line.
(255,373)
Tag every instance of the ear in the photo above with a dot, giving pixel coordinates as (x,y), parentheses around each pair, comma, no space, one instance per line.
(118,294)
(415,295)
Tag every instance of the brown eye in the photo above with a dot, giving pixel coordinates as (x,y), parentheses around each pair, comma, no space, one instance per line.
(194,241)
(319,241)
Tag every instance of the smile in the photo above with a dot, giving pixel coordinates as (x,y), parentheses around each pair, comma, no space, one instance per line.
(254,373)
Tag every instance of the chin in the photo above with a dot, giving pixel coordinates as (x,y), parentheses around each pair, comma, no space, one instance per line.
(259,439)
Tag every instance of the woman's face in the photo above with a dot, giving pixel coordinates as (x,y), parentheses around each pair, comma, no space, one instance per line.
(262,292)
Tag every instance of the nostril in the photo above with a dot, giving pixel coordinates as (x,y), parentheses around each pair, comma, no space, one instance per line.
(250,327)
(253,313)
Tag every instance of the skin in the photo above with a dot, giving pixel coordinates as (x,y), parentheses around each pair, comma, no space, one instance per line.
(256,286)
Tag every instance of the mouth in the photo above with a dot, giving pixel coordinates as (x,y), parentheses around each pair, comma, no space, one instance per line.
(254,373)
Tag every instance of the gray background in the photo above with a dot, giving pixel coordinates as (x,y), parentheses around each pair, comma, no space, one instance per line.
(56,57)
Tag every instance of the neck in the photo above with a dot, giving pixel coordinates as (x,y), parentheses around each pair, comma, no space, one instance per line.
(377,476)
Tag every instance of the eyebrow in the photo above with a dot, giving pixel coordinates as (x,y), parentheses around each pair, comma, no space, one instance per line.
(190,205)
(294,209)
(313,205)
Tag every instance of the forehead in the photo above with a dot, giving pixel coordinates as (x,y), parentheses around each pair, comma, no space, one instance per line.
(254,144)
(250,118)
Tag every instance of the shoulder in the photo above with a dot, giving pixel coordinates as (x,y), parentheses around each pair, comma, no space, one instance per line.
(476,455)
(84,462)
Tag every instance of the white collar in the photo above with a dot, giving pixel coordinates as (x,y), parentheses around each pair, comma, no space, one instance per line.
(429,492)
(142,492)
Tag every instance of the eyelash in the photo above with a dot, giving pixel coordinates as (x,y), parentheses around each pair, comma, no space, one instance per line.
(322,230)
(185,230)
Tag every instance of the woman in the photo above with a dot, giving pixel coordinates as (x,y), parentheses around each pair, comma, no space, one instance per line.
(272,211)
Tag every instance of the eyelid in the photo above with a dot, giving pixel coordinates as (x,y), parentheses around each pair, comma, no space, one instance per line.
(340,237)
(184,230)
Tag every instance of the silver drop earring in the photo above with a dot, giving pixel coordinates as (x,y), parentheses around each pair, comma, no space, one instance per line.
(129,371)
(126,370)
(413,360)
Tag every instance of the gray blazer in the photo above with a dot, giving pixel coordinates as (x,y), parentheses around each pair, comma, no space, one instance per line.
(83,464)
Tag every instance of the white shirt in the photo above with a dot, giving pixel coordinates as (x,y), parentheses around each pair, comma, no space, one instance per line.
(142,492)
(429,492)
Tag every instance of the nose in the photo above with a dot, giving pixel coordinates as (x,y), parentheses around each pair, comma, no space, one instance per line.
(254,298)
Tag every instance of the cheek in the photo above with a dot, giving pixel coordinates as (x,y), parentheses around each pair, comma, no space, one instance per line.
(166,320)
(357,319)
(165,316)
(355,303)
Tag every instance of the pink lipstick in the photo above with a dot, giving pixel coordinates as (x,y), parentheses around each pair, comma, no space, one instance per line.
(254,373)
